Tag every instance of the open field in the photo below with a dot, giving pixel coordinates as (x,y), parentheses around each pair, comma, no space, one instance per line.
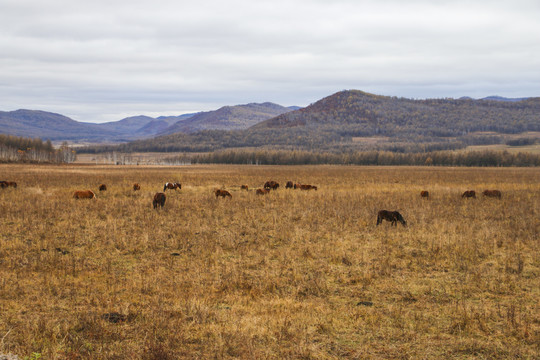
(292,274)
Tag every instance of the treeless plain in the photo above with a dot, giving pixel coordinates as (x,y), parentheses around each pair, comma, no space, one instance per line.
(291,274)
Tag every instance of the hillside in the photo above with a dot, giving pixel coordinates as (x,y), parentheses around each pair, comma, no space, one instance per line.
(355,120)
(228,118)
(46,125)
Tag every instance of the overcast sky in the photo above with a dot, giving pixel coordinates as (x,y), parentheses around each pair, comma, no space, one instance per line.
(96,60)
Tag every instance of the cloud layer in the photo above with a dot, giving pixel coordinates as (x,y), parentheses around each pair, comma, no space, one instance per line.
(104,60)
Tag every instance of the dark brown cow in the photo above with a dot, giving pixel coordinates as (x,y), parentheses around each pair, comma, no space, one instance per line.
(308,187)
(492,193)
(172,186)
(84,194)
(271,185)
(469,194)
(424,194)
(102,187)
(392,216)
(159,199)
(222,193)
(244,187)
(262,191)
(289,185)
(136,187)
(5,184)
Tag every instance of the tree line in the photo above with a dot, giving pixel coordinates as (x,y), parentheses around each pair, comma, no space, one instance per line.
(33,150)
(434,158)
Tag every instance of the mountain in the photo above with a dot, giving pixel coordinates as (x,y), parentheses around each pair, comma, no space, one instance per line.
(46,125)
(356,120)
(228,118)
(501,98)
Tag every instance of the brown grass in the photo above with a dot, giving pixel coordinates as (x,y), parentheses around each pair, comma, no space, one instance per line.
(293,274)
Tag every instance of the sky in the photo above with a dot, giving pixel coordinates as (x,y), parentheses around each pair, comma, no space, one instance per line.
(98,61)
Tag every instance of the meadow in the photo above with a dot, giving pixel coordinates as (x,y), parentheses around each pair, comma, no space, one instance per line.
(292,274)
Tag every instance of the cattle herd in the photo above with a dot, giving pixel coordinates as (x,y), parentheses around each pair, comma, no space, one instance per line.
(159,198)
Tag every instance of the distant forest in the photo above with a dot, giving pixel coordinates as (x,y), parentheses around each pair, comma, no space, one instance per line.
(434,158)
(22,149)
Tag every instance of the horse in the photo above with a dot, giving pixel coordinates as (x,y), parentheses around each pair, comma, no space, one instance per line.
(271,185)
(244,187)
(84,194)
(469,194)
(308,187)
(492,193)
(5,184)
(159,199)
(392,216)
(424,194)
(172,186)
(136,187)
(222,193)
(289,185)
(102,187)
(262,191)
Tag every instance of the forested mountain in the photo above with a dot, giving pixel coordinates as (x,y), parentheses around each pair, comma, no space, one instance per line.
(355,120)
(228,118)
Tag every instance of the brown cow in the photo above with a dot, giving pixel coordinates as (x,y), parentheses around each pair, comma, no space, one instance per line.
(84,194)
(424,194)
(172,186)
(136,187)
(289,185)
(262,191)
(159,199)
(392,216)
(223,193)
(5,184)
(244,187)
(492,193)
(469,194)
(271,185)
(297,186)
(102,187)
(308,187)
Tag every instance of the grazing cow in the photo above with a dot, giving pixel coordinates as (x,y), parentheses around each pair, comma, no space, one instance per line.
(172,186)
(308,187)
(392,216)
(424,194)
(136,187)
(469,194)
(262,191)
(289,185)
(222,193)
(5,184)
(244,187)
(271,185)
(159,199)
(84,194)
(492,193)
(102,187)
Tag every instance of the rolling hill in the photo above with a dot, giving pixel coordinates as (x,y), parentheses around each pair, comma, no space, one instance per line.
(228,118)
(356,120)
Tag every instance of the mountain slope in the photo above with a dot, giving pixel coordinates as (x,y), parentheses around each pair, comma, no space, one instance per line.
(228,118)
(46,125)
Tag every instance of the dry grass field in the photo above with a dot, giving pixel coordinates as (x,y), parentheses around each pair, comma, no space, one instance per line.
(292,274)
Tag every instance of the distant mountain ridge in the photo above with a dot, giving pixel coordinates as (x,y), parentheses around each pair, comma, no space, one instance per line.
(228,118)
(56,127)
(356,120)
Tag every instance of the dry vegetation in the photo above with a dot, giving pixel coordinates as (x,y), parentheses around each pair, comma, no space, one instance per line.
(292,274)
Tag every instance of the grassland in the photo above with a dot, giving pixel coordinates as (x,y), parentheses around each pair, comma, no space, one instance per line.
(293,274)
